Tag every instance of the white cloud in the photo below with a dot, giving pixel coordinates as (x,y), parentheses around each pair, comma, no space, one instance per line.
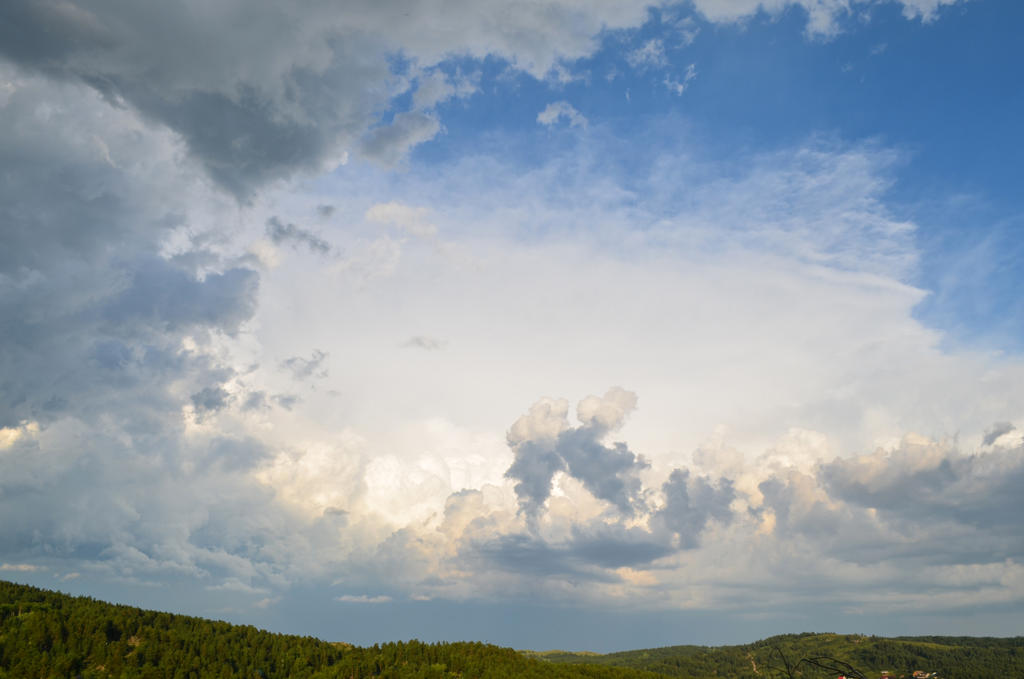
(926,10)
(11,435)
(677,87)
(561,110)
(436,87)
(823,16)
(20,567)
(649,55)
(414,221)
(759,314)
(265,93)
(364,599)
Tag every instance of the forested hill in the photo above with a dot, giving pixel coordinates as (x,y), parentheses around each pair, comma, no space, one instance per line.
(47,635)
(944,657)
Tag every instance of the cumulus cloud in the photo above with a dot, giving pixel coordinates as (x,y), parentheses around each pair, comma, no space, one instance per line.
(130,308)
(544,443)
(123,302)
(263,93)
(290,91)
(561,110)
(690,502)
(926,482)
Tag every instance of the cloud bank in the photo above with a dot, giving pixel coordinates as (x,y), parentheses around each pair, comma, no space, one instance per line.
(206,375)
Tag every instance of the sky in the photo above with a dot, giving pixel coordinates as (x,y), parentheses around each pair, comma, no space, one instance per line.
(554,324)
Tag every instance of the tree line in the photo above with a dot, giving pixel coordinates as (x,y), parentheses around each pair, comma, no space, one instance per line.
(49,635)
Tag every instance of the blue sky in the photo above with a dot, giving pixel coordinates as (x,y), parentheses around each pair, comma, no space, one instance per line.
(939,93)
(586,326)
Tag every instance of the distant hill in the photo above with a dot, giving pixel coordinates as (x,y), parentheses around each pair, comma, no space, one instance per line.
(943,657)
(47,635)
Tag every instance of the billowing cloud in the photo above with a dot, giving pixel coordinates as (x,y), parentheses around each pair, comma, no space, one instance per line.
(148,433)
(261,93)
(690,502)
(545,443)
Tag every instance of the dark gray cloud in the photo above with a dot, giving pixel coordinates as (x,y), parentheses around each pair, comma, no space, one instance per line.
(255,400)
(251,108)
(210,400)
(609,472)
(91,312)
(544,444)
(325,211)
(591,551)
(388,143)
(690,503)
(304,368)
(997,430)
(259,91)
(533,469)
(614,546)
(922,484)
(923,504)
(160,294)
(261,400)
(290,233)
(106,342)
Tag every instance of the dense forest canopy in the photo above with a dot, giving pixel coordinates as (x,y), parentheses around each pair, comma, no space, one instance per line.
(47,634)
(943,657)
